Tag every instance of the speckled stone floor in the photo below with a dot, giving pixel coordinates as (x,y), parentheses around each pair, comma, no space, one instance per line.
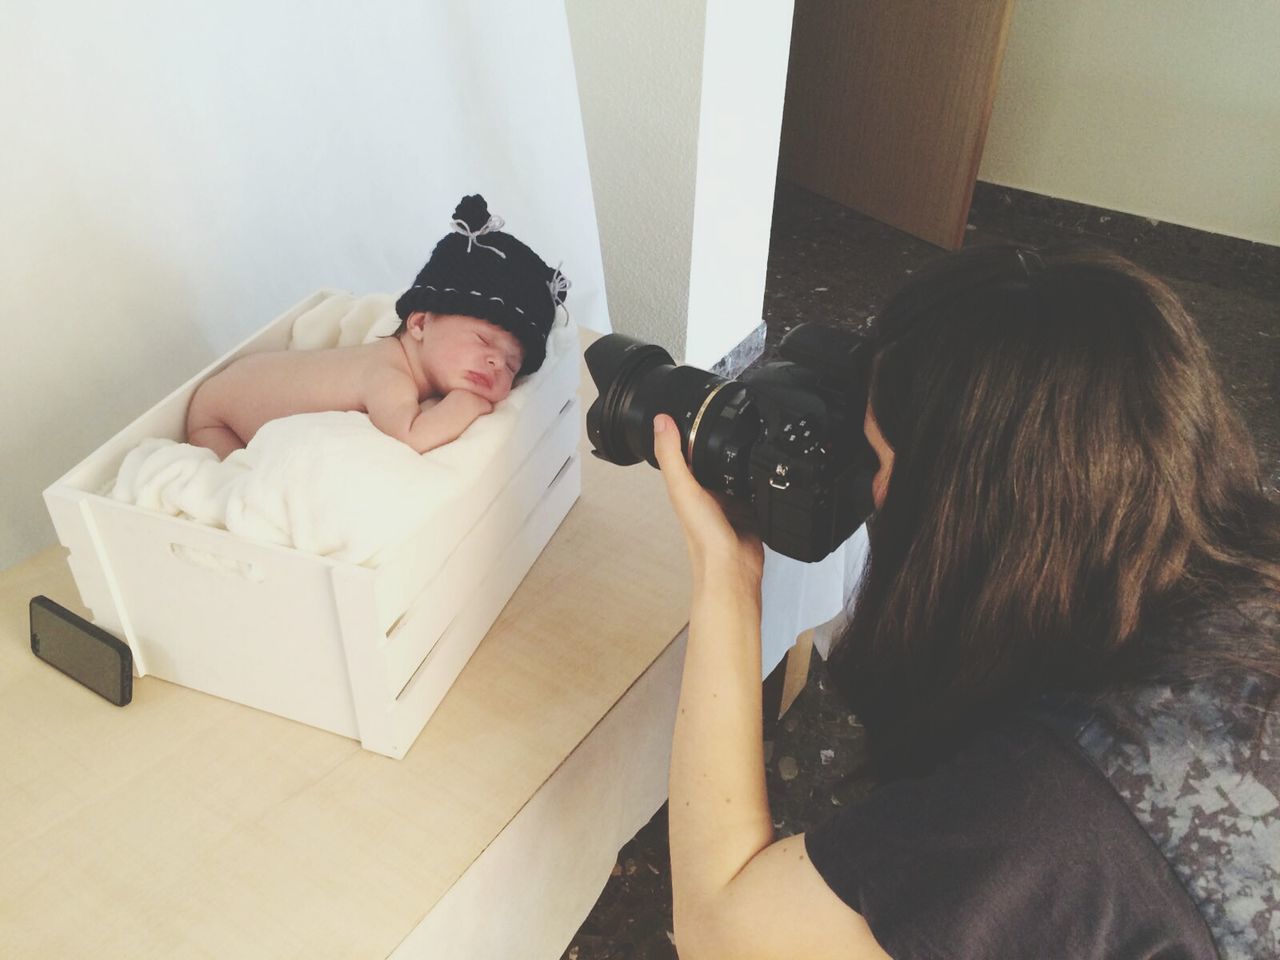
(829,264)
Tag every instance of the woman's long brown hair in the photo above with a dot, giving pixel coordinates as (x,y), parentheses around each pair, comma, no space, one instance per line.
(1069,483)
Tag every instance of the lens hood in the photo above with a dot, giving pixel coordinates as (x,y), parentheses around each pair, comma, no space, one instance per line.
(617,363)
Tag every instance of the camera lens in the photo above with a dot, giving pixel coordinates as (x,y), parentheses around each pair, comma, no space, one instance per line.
(617,365)
(638,381)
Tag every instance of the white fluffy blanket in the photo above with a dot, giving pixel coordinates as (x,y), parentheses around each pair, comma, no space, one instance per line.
(330,484)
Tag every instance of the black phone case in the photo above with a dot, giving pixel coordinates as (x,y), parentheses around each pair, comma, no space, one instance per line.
(117,687)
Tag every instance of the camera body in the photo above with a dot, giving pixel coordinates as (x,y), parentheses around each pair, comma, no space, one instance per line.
(812,467)
(787,437)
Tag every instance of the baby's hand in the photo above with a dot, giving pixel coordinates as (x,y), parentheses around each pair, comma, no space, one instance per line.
(467,403)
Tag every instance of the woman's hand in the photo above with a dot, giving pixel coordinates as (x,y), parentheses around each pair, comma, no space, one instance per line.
(717,530)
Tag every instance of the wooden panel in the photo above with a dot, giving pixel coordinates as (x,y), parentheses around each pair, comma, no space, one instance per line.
(888,103)
(797,671)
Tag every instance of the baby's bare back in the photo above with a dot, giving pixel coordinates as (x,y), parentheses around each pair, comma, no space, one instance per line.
(266,386)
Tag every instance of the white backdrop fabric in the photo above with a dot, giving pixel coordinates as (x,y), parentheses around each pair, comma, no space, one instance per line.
(177,173)
(799,596)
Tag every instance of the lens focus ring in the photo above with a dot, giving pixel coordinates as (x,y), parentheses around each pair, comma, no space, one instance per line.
(693,430)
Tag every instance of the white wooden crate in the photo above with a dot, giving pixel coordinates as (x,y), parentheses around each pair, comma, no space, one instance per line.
(366,653)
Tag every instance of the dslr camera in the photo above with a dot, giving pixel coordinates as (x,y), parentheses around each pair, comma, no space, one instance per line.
(786,438)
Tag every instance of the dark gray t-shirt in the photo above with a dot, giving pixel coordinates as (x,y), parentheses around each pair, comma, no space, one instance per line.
(1143,825)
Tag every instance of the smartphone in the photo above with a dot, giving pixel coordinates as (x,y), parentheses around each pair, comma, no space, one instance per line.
(85,653)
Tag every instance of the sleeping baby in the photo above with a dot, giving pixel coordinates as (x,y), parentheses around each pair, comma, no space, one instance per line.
(476,318)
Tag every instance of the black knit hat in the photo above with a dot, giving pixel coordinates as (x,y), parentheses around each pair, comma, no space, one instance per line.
(479,271)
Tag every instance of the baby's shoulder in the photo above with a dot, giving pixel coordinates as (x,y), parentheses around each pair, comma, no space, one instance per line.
(381,357)
(382,367)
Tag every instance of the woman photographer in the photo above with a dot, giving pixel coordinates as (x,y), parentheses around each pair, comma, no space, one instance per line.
(1064,650)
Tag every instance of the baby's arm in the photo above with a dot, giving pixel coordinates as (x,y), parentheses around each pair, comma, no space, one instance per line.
(447,419)
(394,409)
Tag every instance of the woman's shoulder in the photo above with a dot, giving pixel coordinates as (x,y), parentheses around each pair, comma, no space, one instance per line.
(1214,678)
(1196,759)
(1143,821)
(1013,846)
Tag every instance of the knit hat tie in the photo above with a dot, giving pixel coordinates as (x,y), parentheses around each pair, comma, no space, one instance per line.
(473,236)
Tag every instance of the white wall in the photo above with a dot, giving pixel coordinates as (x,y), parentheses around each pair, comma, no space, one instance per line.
(639,71)
(1170,110)
(682,105)
(744,78)
(176,173)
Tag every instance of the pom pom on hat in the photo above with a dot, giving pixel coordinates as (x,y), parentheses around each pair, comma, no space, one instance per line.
(477,270)
(473,211)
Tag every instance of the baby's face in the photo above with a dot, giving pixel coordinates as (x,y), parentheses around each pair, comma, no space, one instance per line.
(471,354)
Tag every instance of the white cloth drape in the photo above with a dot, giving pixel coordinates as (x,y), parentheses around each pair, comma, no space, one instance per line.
(798,596)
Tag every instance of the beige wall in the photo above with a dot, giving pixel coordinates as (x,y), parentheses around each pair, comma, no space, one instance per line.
(1170,110)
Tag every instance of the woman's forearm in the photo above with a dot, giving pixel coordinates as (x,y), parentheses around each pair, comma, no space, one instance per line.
(719,810)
